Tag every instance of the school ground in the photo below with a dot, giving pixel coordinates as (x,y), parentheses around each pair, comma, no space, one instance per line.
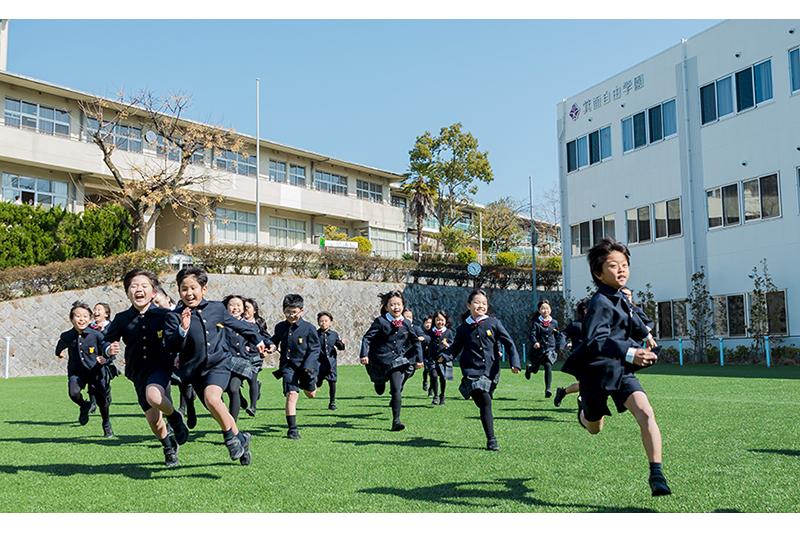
(730,445)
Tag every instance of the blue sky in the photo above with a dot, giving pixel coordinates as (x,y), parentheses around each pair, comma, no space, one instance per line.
(359,90)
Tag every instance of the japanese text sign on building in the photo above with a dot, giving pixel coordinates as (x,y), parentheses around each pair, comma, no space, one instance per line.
(596,102)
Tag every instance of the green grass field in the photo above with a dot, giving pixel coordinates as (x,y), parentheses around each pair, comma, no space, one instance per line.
(731,444)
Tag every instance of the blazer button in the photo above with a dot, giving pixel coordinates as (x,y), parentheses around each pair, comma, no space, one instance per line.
(144,338)
(204,320)
(209,344)
(144,357)
(143,327)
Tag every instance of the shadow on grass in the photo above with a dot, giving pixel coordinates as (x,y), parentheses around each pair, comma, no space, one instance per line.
(727,371)
(415,442)
(792,453)
(99,439)
(473,494)
(130,471)
(337,415)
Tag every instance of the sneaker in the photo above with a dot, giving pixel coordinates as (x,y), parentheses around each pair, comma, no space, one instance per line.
(492,445)
(83,417)
(293,433)
(397,425)
(93,407)
(424,385)
(191,418)
(235,447)
(246,456)
(561,392)
(528,370)
(332,406)
(435,400)
(180,430)
(380,388)
(430,393)
(658,485)
(547,393)
(250,411)
(441,400)
(171,454)
(107,431)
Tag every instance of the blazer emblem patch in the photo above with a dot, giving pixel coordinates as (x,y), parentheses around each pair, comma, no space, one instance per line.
(160,333)
(488,333)
(91,349)
(300,340)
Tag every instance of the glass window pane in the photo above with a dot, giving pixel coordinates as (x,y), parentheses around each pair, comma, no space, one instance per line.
(656,126)
(794,68)
(627,134)
(633,229)
(744,89)
(60,188)
(585,242)
(708,103)
(660,215)
(670,118)
(770,202)
(28,184)
(572,156)
(605,142)
(679,323)
(47,112)
(597,230)
(763,81)
(720,316)
(45,200)
(29,108)
(644,223)
(576,239)
(594,147)
(725,96)
(730,204)
(736,323)
(674,217)
(752,205)
(43,185)
(714,200)
(639,130)
(583,152)
(13,105)
(608,227)
(776,313)
(665,320)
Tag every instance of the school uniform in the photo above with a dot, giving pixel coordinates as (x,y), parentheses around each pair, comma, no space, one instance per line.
(390,344)
(82,366)
(299,348)
(204,356)
(147,360)
(329,342)
(478,343)
(573,332)
(436,347)
(549,338)
(241,359)
(610,330)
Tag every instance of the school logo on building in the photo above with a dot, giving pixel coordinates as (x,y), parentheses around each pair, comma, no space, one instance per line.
(575,112)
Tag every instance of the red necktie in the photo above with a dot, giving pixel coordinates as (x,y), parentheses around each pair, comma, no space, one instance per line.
(546,323)
(397,323)
(437,333)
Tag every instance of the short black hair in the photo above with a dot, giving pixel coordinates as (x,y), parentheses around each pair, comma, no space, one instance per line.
(599,253)
(580,309)
(386,296)
(106,307)
(126,281)
(228,298)
(324,313)
(198,273)
(447,322)
(292,300)
(78,304)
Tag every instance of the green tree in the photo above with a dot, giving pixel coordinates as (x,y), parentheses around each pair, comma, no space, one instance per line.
(453,239)
(421,194)
(760,317)
(453,165)
(701,316)
(501,225)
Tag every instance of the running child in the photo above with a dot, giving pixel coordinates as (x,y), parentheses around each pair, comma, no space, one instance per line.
(195,331)
(391,351)
(608,356)
(573,334)
(478,342)
(427,324)
(299,348)
(241,360)
(101,315)
(148,363)
(252,316)
(545,339)
(86,349)
(441,339)
(329,342)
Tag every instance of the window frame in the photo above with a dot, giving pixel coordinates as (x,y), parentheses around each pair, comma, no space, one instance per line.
(35,191)
(583,245)
(295,177)
(746,299)
(741,202)
(792,73)
(573,147)
(225,217)
(366,190)
(648,126)
(288,229)
(56,120)
(737,92)
(329,184)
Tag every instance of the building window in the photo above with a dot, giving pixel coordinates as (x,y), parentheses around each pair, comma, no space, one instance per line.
(36,117)
(732,317)
(324,181)
(173,153)
(235,163)
(319,230)
(297,175)
(745,89)
(794,69)
(124,137)
(587,234)
(387,243)
(671,320)
(639,227)
(667,217)
(589,149)
(235,226)
(430,223)
(369,191)
(286,232)
(776,313)
(277,171)
(760,200)
(656,124)
(34,191)
(398,201)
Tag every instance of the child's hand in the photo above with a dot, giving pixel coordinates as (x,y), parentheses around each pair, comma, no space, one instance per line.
(644,357)
(536,345)
(365,360)
(441,359)
(113,348)
(262,350)
(446,344)
(177,361)
(569,345)
(514,370)
(419,365)
(61,355)
(102,360)
(271,348)
(651,343)
(186,318)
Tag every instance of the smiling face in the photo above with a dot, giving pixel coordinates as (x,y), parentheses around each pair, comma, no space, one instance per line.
(236,307)
(191,292)
(292,314)
(141,292)
(325,322)
(427,323)
(478,306)
(394,307)
(80,318)
(249,311)
(545,310)
(440,322)
(614,271)
(408,315)
(100,314)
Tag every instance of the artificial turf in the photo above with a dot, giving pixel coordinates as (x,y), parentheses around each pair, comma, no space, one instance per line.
(731,444)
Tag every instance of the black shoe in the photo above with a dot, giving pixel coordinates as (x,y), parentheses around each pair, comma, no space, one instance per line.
(191,418)
(397,425)
(561,392)
(332,406)
(430,393)
(659,485)
(435,400)
(528,371)
(250,411)
(243,400)
(293,433)
(83,417)
(547,393)
(246,456)
(492,445)
(107,431)
(93,406)
(180,430)
(171,453)
(380,388)
(441,400)
(235,447)
(424,385)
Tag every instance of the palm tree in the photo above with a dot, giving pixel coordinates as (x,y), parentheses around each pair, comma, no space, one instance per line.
(422,192)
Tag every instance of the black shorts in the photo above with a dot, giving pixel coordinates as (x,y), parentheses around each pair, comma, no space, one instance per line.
(595,400)
(95,380)
(296,379)
(156,377)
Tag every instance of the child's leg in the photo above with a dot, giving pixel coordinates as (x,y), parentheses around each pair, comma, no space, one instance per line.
(233,395)
(572,389)
(157,397)
(291,403)
(592,427)
(435,385)
(156,423)
(396,379)
(218,409)
(442,386)
(638,404)
(332,389)
(548,376)
(483,400)
(424,379)
(254,392)
(75,392)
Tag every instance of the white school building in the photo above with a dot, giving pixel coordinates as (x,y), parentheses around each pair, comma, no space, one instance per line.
(692,158)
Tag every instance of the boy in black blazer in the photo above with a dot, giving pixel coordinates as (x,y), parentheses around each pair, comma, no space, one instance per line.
(329,342)
(298,343)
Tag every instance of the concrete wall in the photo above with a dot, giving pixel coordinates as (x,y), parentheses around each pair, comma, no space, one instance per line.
(34,323)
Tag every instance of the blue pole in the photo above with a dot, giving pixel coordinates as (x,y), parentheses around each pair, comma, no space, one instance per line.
(766,344)
(504,354)
(523,351)
(721,357)
(680,350)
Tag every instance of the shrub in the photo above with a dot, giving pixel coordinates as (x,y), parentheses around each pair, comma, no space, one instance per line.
(336,274)
(364,246)
(467,255)
(508,258)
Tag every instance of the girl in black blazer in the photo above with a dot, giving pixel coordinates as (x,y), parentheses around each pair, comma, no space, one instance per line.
(545,340)
(441,338)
